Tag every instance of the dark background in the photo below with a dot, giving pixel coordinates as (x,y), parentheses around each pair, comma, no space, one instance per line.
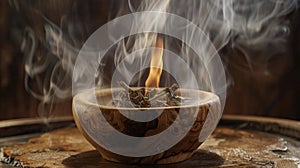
(251,93)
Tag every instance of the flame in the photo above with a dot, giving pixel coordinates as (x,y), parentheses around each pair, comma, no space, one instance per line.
(155,65)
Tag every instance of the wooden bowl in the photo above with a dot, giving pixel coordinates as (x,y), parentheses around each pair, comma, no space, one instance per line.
(190,118)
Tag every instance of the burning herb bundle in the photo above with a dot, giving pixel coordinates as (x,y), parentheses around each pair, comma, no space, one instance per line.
(151,95)
(145,98)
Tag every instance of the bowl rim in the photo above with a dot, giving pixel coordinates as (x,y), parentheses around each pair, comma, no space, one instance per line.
(211,98)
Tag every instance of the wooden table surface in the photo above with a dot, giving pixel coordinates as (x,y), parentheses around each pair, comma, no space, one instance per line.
(237,142)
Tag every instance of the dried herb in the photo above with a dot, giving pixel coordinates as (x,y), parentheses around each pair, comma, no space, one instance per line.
(142,97)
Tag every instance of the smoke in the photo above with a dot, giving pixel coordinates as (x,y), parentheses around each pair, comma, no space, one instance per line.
(250,26)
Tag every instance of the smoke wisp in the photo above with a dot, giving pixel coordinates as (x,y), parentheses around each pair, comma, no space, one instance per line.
(251,26)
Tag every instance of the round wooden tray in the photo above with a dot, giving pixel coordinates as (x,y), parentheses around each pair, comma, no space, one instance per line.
(239,141)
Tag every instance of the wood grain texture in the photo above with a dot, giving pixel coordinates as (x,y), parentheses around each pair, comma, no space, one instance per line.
(227,147)
(181,151)
(92,125)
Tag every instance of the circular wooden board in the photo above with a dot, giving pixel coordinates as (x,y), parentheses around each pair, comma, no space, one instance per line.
(239,141)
